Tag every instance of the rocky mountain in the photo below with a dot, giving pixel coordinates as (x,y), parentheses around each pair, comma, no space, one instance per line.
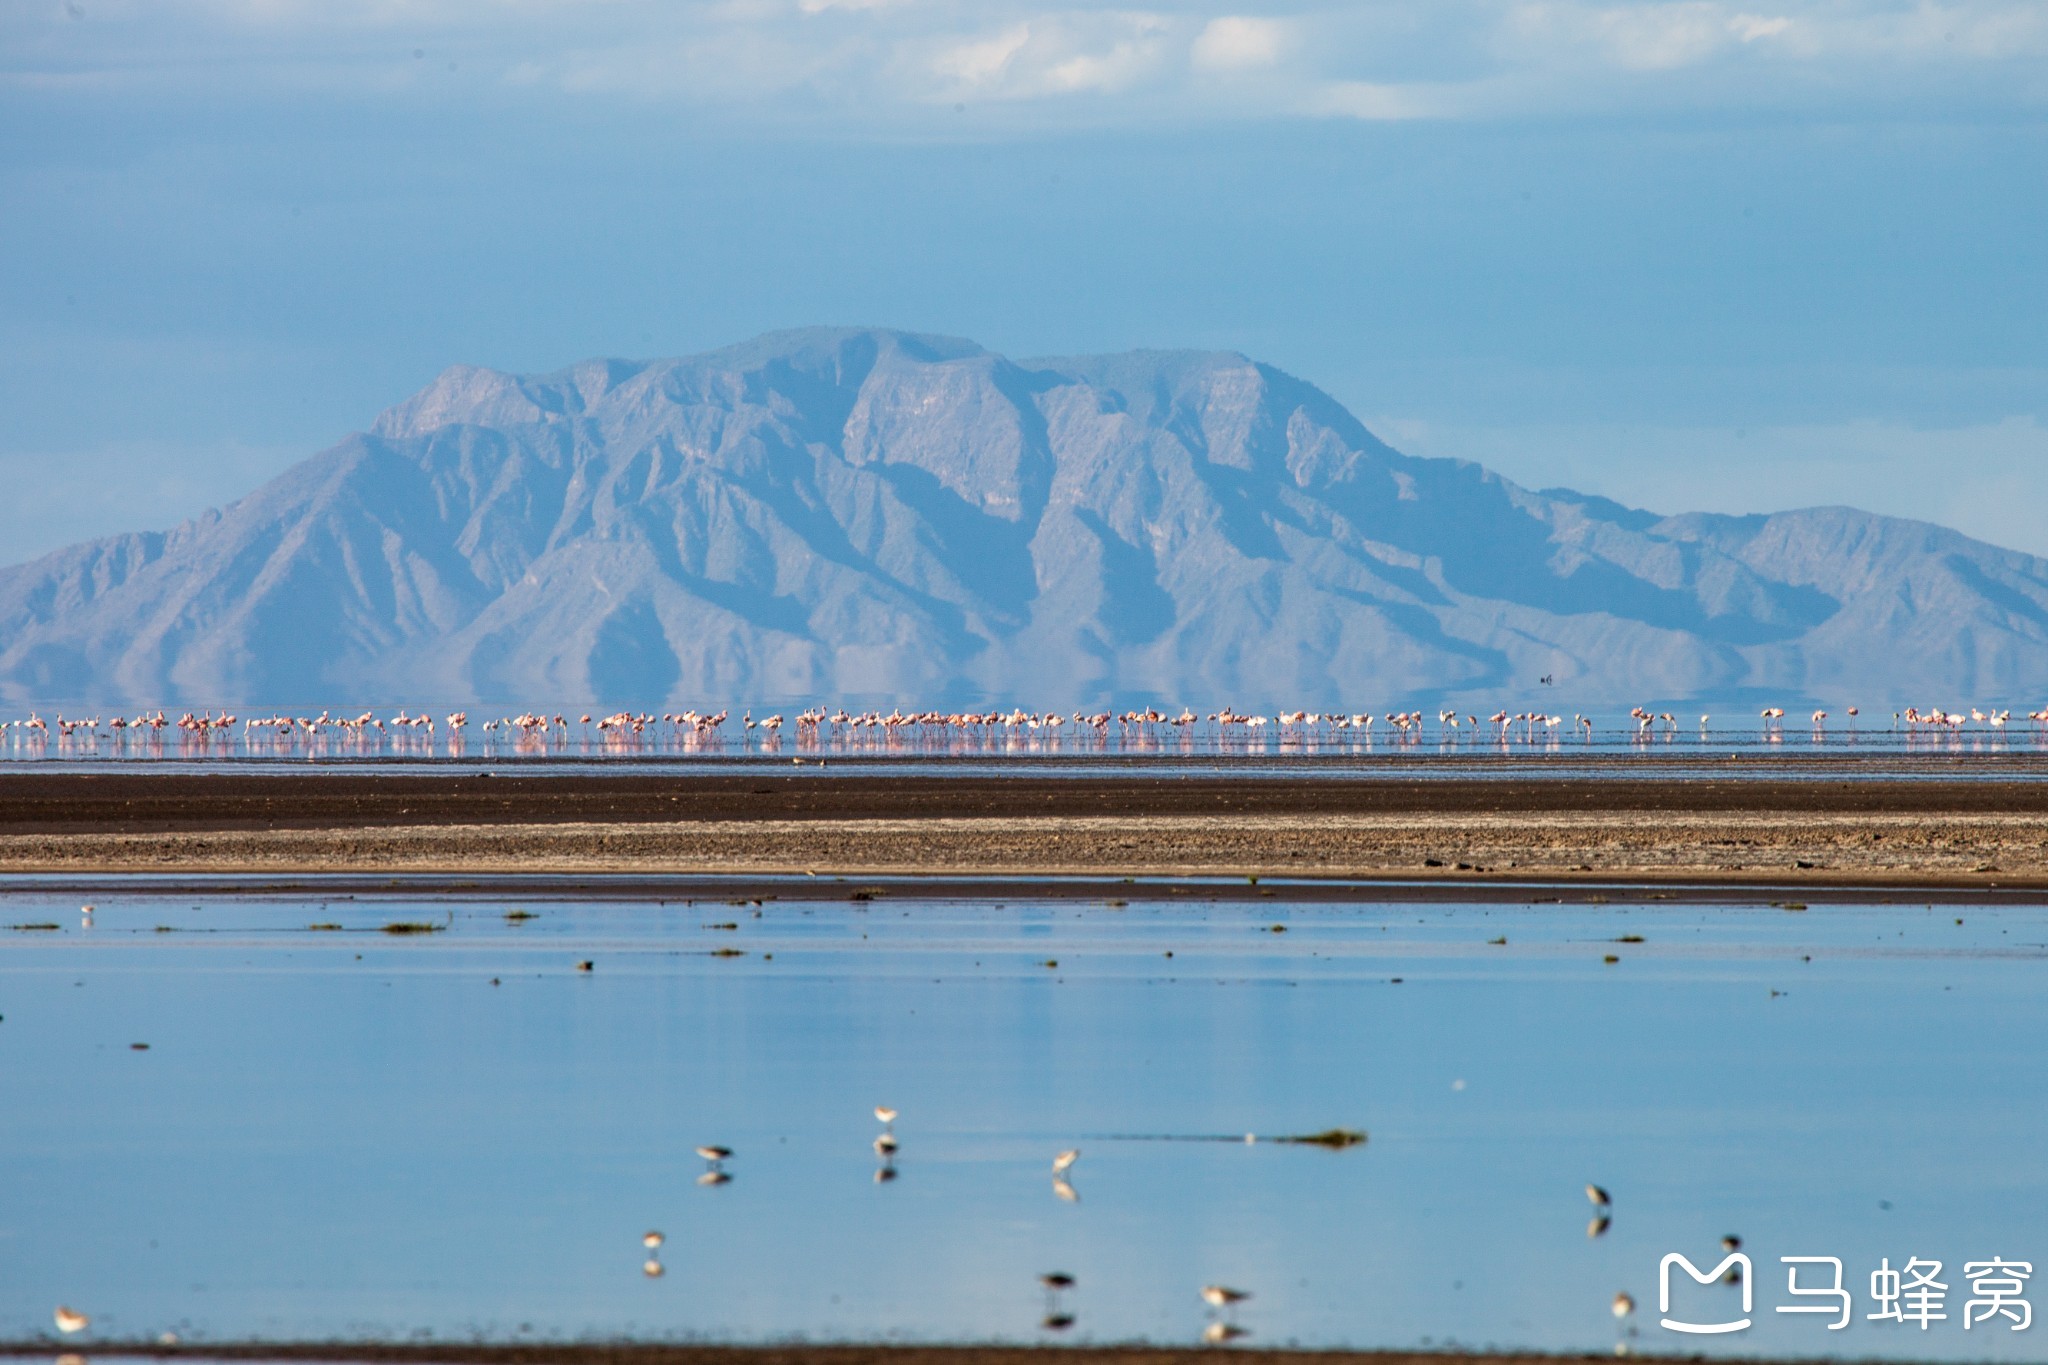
(859,514)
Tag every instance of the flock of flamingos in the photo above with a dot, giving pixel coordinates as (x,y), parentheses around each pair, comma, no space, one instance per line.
(816,727)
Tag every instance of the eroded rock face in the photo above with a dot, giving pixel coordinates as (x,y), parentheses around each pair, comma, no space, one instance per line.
(838,514)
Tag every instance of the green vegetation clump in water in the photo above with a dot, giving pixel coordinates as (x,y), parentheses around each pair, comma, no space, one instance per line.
(1333,1138)
(324,928)
(516,916)
(35,927)
(412,927)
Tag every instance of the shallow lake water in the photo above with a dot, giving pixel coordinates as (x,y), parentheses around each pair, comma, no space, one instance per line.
(348,1132)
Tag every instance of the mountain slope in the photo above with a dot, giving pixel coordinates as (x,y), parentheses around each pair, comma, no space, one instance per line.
(838,513)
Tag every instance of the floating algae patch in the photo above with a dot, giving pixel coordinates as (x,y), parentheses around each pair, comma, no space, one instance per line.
(412,927)
(1333,1138)
(1336,1139)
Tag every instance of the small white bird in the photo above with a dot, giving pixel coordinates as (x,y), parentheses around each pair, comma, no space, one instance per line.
(884,1115)
(652,1240)
(1064,1162)
(1597,1197)
(1624,1304)
(70,1320)
(714,1155)
(1222,1296)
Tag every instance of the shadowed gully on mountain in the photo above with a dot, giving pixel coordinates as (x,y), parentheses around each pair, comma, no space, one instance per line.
(864,513)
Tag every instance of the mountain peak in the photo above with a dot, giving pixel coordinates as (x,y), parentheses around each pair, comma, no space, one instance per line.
(863,512)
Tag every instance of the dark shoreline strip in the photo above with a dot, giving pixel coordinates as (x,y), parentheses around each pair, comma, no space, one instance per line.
(780,1353)
(135,802)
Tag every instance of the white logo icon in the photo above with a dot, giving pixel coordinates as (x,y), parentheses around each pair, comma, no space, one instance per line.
(1735,1259)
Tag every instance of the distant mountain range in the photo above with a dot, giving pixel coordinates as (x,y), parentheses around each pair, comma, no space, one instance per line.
(863,514)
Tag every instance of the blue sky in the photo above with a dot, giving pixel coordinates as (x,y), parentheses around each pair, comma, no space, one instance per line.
(1689,254)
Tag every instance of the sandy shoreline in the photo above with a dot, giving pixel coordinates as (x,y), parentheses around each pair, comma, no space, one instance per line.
(1983,834)
(1989,850)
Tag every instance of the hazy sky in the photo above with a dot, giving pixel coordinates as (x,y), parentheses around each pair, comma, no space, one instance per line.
(1686,254)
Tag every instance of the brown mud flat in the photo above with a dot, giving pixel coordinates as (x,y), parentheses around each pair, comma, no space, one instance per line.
(1798,832)
(634,1353)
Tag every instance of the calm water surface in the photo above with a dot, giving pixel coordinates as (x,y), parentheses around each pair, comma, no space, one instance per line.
(348,1132)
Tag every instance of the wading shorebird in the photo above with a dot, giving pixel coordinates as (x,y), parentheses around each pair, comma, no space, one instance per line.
(714,1155)
(1064,1162)
(652,1241)
(70,1320)
(885,1116)
(1056,1283)
(1624,1304)
(1598,1197)
(1223,1296)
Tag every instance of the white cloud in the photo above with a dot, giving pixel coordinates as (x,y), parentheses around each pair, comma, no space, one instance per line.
(1636,37)
(1054,54)
(1233,42)
(878,63)
(984,62)
(821,6)
(1374,102)
(1751,27)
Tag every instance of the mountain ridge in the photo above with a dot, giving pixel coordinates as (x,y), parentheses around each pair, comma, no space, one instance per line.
(868,513)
